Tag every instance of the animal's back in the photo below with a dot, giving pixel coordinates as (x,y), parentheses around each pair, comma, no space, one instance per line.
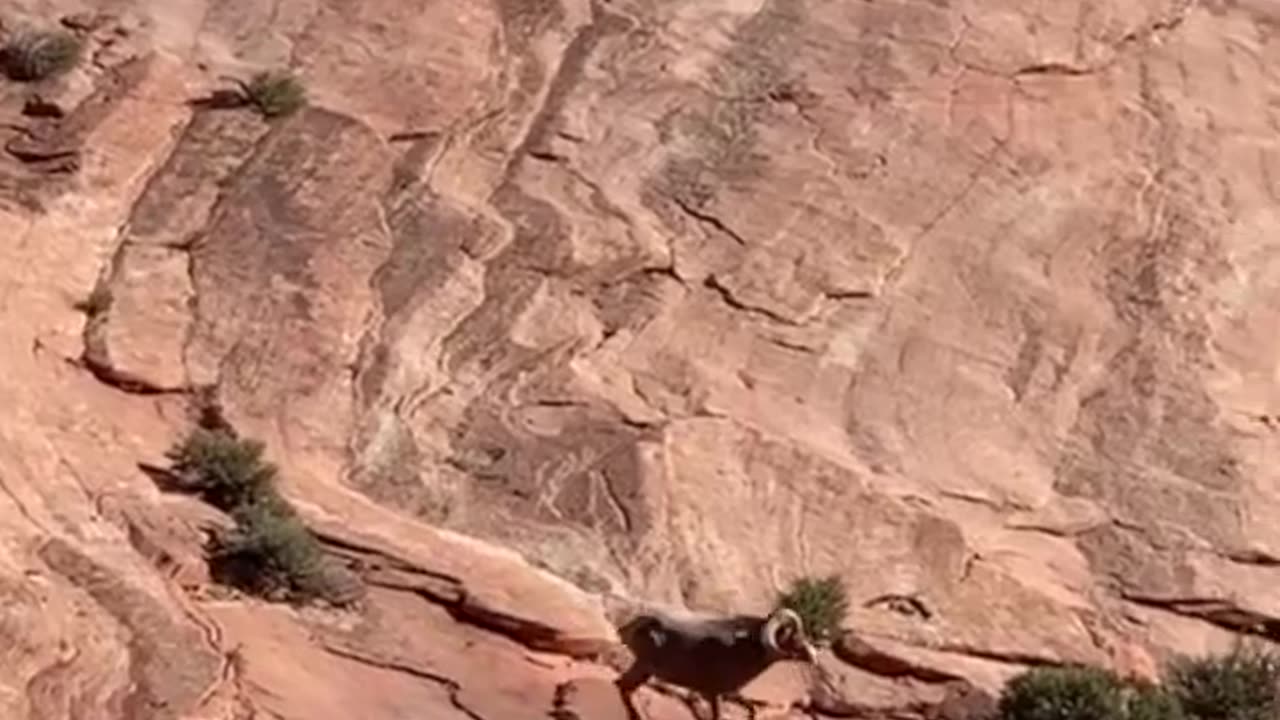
(715,656)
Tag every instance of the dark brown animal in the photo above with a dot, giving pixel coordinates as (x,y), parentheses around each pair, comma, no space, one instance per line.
(711,656)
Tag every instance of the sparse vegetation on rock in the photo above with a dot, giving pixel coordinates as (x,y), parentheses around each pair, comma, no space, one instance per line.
(820,602)
(1063,693)
(276,93)
(270,552)
(1152,702)
(1240,685)
(38,54)
(225,470)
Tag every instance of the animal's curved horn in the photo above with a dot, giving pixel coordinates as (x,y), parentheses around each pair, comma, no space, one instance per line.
(778,618)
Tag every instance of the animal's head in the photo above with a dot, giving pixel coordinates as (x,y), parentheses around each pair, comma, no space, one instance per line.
(784,635)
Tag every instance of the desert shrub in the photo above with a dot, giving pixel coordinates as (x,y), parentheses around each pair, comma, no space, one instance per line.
(820,602)
(1063,693)
(225,470)
(37,54)
(1240,685)
(276,93)
(1152,702)
(270,552)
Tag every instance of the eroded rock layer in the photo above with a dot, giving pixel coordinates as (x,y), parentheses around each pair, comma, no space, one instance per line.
(546,305)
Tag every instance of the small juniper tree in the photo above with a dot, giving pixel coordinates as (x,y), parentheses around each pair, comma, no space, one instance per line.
(270,552)
(38,54)
(1063,693)
(821,604)
(1152,702)
(276,93)
(225,470)
(1240,685)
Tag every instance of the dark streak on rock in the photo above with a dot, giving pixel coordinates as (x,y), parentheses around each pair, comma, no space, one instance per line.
(449,683)
(1253,557)
(413,136)
(708,218)
(1054,68)
(732,301)
(1215,611)
(124,382)
(903,604)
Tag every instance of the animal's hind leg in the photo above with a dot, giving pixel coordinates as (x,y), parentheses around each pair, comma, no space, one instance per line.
(714,702)
(627,683)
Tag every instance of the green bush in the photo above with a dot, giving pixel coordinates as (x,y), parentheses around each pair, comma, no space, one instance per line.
(820,602)
(276,93)
(225,470)
(271,552)
(37,54)
(1241,685)
(1152,702)
(1063,693)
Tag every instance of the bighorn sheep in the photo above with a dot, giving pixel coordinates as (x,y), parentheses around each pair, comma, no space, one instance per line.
(710,656)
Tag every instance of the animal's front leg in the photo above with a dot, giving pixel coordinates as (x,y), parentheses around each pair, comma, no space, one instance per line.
(627,683)
(752,706)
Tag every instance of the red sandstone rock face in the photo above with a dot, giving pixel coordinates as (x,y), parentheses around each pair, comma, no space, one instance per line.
(542,304)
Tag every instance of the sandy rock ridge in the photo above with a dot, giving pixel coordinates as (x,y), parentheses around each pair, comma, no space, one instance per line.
(543,304)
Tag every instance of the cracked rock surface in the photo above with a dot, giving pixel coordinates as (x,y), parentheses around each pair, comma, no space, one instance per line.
(543,306)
